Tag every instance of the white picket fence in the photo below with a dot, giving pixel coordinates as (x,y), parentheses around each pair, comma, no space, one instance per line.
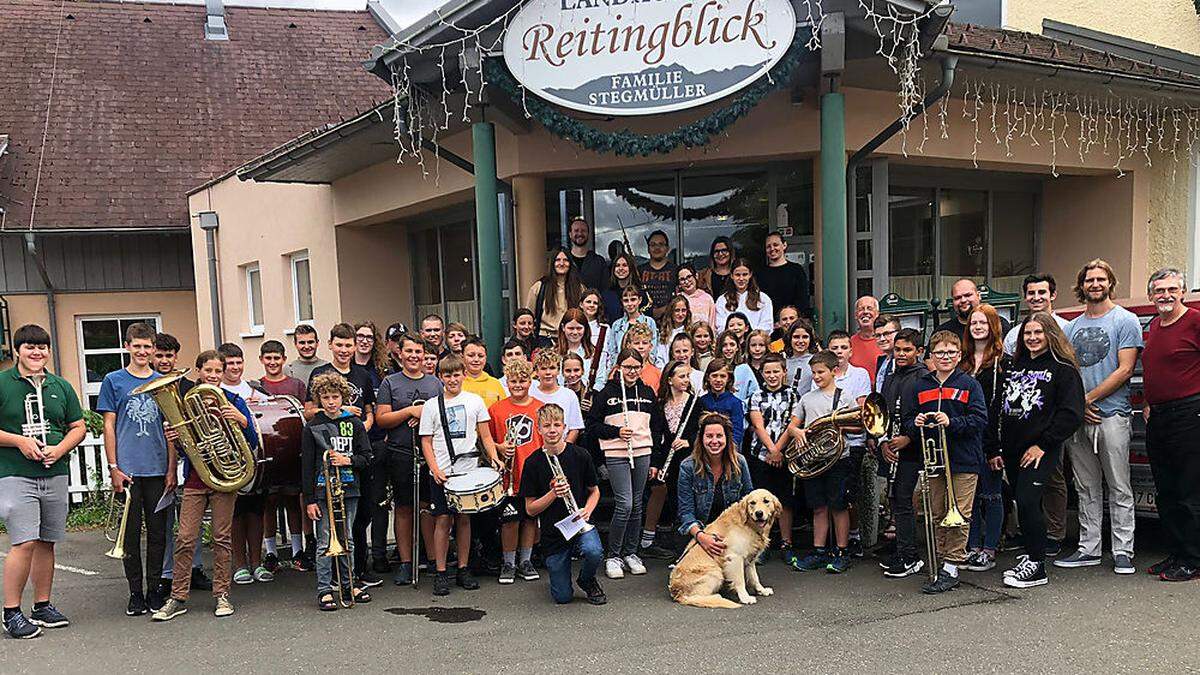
(89,469)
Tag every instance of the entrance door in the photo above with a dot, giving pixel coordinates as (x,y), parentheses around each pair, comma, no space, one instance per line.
(444,273)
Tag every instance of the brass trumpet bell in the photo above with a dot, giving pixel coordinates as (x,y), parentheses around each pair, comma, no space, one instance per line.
(117,551)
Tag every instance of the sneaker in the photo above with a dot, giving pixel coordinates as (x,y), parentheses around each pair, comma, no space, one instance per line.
(21,628)
(404,574)
(527,571)
(902,568)
(1161,566)
(304,562)
(944,582)
(817,560)
(263,575)
(1027,574)
(48,617)
(466,580)
(888,562)
(200,580)
(137,605)
(840,562)
(243,576)
(789,556)
(634,564)
(171,609)
(441,583)
(1077,559)
(1180,572)
(1013,570)
(656,552)
(614,568)
(1053,548)
(1123,564)
(980,561)
(855,548)
(271,562)
(380,566)
(224,606)
(595,595)
(369,580)
(156,597)
(508,573)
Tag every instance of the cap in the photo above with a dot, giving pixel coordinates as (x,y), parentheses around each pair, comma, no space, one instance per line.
(394,332)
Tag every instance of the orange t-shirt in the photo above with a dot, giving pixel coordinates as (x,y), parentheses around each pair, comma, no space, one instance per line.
(866,354)
(521,421)
(650,376)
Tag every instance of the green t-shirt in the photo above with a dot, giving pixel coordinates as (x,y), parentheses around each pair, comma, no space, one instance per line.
(59,409)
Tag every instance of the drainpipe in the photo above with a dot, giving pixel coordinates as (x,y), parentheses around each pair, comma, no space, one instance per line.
(51,306)
(209,222)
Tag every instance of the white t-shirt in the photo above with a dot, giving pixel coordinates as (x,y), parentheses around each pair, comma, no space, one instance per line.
(464,413)
(761,319)
(856,382)
(1010,340)
(565,399)
(244,390)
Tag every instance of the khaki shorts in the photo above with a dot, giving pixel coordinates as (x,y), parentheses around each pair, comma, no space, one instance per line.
(34,508)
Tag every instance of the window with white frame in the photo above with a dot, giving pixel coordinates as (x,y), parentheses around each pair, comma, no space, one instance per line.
(254,299)
(302,300)
(102,350)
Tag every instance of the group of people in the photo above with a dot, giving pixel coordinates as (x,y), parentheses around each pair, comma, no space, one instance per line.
(679,391)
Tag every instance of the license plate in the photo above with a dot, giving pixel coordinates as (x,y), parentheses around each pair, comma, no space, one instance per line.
(1143,500)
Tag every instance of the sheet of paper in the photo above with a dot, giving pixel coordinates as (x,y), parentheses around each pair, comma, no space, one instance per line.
(168,499)
(571,525)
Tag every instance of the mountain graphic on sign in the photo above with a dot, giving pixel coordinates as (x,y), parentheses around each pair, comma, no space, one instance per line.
(714,81)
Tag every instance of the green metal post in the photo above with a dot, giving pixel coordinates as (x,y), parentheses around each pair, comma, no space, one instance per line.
(834,258)
(487,236)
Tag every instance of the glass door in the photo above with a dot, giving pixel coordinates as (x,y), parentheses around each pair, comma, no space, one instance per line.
(444,274)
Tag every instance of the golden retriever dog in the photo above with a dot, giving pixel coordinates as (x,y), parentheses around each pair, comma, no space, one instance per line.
(744,527)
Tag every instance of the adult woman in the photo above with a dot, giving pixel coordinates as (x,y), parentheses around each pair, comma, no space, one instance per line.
(677,400)
(704,339)
(624,273)
(713,477)
(698,299)
(800,343)
(742,295)
(720,262)
(592,305)
(675,320)
(626,421)
(1042,407)
(574,337)
(985,360)
(554,293)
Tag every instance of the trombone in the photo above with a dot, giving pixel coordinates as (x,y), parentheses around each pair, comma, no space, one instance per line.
(935,456)
(118,538)
(335,504)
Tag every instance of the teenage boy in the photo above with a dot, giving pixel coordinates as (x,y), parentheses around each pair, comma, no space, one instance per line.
(546,363)
(198,497)
(545,497)
(855,383)
(275,381)
(361,404)
(138,459)
(514,422)
(398,406)
(827,495)
(773,413)
(902,457)
(948,400)
(166,352)
(476,380)
(273,358)
(449,430)
(235,367)
(430,361)
(658,273)
(305,340)
(333,440)
(41,422)
(886,327)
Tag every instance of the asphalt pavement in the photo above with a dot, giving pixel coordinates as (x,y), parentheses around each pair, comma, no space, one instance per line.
(1086,620)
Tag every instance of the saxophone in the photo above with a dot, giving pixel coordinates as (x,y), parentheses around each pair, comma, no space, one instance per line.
(216,447)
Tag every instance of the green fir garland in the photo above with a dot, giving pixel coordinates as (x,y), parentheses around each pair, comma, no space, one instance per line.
(630,144)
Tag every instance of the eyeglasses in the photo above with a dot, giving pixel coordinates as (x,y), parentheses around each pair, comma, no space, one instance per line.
(1170,290)
(686,277)
(945,354)
(365,338)
(886,333)
(631,366)
(720,251)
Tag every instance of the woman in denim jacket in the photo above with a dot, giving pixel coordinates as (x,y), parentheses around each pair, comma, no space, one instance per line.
(711,479)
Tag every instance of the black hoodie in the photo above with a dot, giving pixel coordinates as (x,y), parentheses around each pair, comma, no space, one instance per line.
(639,407)
(1042,405)
(895,388)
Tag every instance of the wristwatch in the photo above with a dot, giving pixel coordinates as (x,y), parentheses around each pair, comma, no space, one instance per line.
(112,466)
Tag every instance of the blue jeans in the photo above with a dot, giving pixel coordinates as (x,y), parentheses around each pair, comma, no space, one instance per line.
(587,545)
(987,519)
(345,562)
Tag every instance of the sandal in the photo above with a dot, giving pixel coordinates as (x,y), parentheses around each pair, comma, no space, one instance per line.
(360,595)
(325,603)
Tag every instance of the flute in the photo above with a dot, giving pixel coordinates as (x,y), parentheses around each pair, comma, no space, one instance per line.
(625,418)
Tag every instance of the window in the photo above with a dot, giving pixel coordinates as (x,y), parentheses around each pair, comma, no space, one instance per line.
(444,273)
(254,300)
(302,288)
(102,350)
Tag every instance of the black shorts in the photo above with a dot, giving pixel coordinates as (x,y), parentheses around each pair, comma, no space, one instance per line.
(778,480)
(512,510)
(830,488)
(438,504)
(854,474)
(250,504)
(396,467)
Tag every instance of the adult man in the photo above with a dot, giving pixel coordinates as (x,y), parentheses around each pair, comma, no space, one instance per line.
(592,268)
(138,459)
(398,409)
(658,275)
(40,423)
(305,339)
(433,330)
(1040,292)
(784,281)
(1171,369)
(866,351)
(1106,338)
(965,295)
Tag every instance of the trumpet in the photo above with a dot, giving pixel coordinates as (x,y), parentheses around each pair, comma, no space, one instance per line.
(118,549)
(510,439)
(335,504)
(560,475)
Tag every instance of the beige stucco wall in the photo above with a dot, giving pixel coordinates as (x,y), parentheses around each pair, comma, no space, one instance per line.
(375,274)
(1169,23)
(177,310)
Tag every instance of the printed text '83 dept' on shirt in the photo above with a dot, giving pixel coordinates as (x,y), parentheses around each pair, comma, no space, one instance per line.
(141,445)
(463,415)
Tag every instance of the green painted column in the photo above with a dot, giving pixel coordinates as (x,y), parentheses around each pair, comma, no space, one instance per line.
(834,256)
(487,237)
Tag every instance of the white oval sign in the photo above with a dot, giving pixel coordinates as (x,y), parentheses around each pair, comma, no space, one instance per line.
(643,57)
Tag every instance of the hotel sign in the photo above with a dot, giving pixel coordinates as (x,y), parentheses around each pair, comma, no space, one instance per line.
(644,57)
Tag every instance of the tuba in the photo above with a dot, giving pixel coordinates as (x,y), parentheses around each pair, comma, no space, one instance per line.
(824,443)
(216,448)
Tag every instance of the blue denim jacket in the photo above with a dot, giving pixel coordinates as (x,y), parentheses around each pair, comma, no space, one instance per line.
(696,492)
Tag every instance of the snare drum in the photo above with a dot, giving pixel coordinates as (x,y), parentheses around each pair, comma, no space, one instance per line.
(475,491)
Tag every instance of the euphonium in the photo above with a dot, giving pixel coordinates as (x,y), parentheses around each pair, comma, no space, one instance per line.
(824,443)
(216,448)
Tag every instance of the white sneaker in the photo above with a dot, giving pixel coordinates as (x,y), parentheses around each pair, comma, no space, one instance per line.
(634,564)
(614,568)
